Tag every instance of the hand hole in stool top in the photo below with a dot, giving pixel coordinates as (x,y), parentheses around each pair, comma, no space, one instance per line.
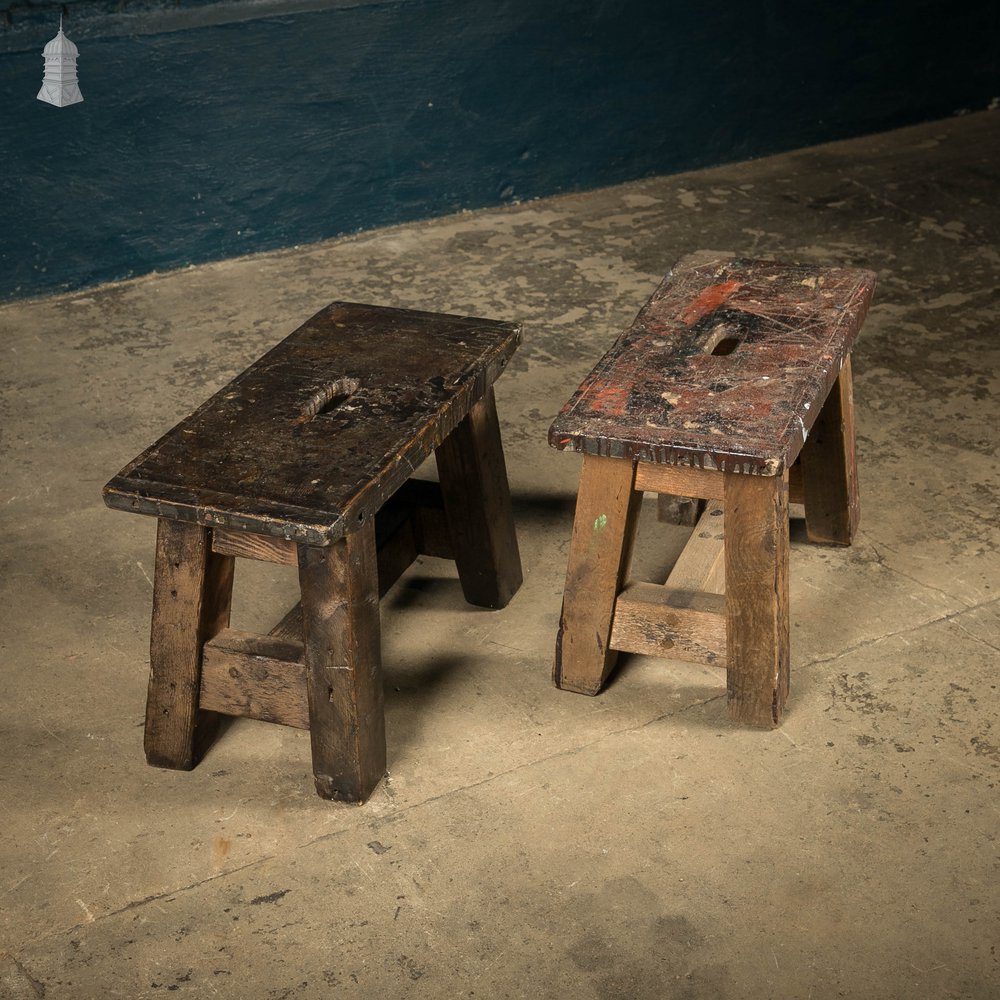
(721,342)
(329,397)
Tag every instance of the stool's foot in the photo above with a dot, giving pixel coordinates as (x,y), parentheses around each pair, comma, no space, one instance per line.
(757,640)
(685,511)
(829,468)
(340,623)
(477,504)
(191,598)
(600,552)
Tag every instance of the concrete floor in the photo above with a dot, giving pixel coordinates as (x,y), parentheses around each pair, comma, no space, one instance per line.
(530,842)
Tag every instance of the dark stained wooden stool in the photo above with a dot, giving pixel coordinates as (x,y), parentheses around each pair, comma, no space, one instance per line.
(306,458)
(733,385)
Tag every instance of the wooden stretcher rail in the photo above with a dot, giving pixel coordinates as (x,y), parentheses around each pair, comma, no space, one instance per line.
(418,500)
(681,480)
(256,677)
(679,624)
(703,484)
(264,677)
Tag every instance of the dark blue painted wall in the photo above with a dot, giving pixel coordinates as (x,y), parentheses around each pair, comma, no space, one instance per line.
(207,142)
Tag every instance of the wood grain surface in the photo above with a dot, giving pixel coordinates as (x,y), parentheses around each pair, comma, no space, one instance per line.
(607,509)
(477,503)
(341,638)
(317,434)
(757,633)
(725,367)
(192,591)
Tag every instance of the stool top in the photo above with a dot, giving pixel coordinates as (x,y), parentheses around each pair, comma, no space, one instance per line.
(780,334)
(318,433)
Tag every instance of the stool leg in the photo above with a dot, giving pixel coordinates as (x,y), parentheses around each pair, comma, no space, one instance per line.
(684,511)
(757,639)
(192,591)
(600,552)
(829,468)
(477,504)
(340,626)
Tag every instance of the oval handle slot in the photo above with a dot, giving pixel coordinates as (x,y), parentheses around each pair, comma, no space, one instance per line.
(329,397)
(721,342)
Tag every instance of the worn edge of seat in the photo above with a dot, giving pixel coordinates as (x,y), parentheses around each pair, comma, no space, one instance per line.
(678,454)
(178,503)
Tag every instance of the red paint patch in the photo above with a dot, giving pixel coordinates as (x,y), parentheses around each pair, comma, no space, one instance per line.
(608,400)
(709,300)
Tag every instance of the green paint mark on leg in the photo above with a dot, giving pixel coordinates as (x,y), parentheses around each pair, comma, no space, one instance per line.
(600,523)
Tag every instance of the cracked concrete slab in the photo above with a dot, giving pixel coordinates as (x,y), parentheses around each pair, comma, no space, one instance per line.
(529,842)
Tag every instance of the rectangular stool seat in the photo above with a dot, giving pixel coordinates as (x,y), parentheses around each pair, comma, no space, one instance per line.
(733,385)
(319,432)
(725,367)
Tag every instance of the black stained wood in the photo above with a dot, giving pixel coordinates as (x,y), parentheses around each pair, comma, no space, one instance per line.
(725,367)
(311,440)
(477,503)
(340,624)
(417,502)
(255,677)
(192,591)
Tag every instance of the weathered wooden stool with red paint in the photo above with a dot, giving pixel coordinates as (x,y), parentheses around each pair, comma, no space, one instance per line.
(733,384)
(306,458)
